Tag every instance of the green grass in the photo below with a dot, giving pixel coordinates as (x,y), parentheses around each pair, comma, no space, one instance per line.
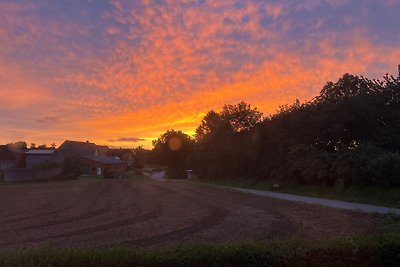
(378,250)
(388,223)
(368,195)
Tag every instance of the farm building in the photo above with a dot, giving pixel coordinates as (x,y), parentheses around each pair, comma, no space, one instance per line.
(7,158)
(90,158)
(36,164)
(123,153)
(71,157)
(103,165)
(11,157)
(76,150)
(36,157)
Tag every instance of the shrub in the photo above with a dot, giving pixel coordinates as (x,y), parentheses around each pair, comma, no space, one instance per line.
(384,170)
(308,164)
(351,165)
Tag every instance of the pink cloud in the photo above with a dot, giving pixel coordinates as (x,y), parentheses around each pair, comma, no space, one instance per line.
(140,68)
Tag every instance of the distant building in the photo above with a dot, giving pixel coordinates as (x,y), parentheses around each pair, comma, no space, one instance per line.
(32,165)
(123,153)
(104,165)
(7,158)
(75,150)
(36,157)
(89,158)
(71,157)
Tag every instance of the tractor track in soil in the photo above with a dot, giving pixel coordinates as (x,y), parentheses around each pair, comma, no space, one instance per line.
(142,212)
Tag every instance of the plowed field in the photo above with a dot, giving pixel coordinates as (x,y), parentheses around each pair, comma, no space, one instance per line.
(143,212)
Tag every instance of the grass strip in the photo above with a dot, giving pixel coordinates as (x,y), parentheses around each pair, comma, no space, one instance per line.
(377,250)
(389,197)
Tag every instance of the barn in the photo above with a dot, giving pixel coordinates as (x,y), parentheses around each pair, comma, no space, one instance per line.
(35,157)
(111,167)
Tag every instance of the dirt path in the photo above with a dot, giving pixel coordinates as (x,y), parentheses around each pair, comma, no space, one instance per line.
(143,212)
(322,201)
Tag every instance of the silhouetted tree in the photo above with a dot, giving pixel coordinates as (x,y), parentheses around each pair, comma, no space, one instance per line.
(241,117)
(173,148)
(218,153)
(141,156)
(348,134)
(214,124)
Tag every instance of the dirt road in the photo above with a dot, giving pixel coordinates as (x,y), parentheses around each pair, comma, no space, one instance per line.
(144,212)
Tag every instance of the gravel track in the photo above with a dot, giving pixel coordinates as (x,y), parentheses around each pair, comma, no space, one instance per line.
(142,212)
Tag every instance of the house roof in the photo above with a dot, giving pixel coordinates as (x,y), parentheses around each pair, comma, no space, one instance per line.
(81,149)
(40,152)
(103,150)
(105,160)
(76,149)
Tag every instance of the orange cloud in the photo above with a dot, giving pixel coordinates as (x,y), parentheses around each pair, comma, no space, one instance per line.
(135,68)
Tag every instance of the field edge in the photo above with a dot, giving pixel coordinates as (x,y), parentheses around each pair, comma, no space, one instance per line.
(371,250)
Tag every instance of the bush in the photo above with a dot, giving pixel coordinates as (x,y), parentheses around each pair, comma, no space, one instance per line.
(308,165)
(351,165)
(367,166)
(384,170)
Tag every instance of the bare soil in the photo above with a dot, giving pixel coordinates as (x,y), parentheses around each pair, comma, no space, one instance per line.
(142,212)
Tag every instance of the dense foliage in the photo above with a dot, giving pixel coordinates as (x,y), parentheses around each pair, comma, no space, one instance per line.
(174,149)
(347,135)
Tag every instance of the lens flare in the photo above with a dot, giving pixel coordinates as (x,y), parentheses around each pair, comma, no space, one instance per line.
(175,143)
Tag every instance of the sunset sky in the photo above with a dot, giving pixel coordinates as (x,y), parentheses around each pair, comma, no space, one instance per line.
(122,72)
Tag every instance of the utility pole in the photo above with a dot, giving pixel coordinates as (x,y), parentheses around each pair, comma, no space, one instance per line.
(398,66)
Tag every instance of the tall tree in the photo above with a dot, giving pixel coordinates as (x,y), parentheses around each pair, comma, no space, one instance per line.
(233,118)
(241,117)
(173,148)
(212,123)
(220,145)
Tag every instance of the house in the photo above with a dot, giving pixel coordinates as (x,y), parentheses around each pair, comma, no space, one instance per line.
(7,158)
(125,154)
(72,157)
(36,157)
(33,165)
(103,150)
(75,150)
(89,158)
(104,165)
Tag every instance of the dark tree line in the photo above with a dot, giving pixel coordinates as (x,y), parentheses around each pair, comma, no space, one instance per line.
(348,134)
